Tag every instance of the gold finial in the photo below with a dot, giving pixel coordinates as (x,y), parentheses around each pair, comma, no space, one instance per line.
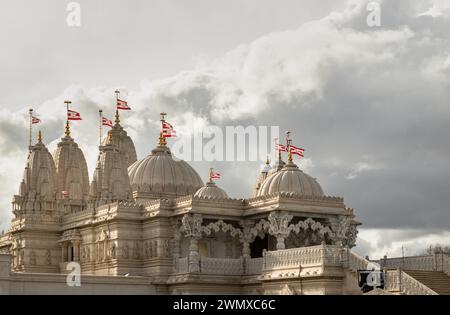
(117,118)
(210,175)
(67,132)
(288,145)
(267,160)
(117,110)
(67,129)
(40,136)
(162,140)
(110,137)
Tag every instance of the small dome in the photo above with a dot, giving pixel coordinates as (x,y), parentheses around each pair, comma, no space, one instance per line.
(39,180)
(211,190)
(71,170)
(292,180)
(110,182)
(124,142)
(159,176)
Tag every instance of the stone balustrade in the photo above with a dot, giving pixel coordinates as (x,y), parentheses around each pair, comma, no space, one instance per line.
(329,255)
(424,262)
(321,255)
(182,265)
(446,264)
(402,283)
(254,266)
(221,266)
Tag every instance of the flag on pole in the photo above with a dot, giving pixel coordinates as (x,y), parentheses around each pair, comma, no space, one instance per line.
(73,115)
(297,151)
(123,105)
(168,131)
(280,147)
(214,175)
(35,120)
(107,122)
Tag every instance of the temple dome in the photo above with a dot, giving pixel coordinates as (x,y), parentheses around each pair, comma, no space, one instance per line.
(212,191)
(123,142)
(110,182)
(290,179)
(160,176)
(39,180)
(72,172)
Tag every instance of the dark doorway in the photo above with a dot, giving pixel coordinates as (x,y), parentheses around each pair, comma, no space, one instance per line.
(257,247)
(71,254)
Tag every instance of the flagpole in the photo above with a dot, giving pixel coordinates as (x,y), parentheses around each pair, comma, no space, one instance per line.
(101,123)
(31,127)
(288,145)
(210,175)
(117,110)
(67,117)
(162,140)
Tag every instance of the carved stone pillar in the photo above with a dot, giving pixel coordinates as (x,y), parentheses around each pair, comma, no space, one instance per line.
(176,242)
(192,228)
(247,238)
(344,231)
(279,227)
(76,250)
(64,251)
(194,258)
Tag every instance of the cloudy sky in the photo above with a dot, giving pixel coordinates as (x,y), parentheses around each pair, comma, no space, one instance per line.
(370,104)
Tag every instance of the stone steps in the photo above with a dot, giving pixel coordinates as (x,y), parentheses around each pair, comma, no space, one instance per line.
(437,281)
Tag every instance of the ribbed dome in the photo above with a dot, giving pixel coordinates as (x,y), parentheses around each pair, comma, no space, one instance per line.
(160,176)
(211,190)
(290,179)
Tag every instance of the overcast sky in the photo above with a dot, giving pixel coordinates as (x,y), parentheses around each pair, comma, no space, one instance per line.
(370,104)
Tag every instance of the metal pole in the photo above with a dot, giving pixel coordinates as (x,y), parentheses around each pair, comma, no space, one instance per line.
(101,123)
(31,128)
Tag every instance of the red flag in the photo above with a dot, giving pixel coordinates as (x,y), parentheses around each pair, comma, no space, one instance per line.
(123,105)
(73,115)
(168,131)
(215,175)
(35,120)
(280,147)
(296,151)
(107,122)
(169,134)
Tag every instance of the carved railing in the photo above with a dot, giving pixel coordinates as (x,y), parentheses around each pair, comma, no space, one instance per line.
(182,265)
(254,266)
(221,266)
(446,264)
(425,262)
(306,256)
(399,281)
(355,262)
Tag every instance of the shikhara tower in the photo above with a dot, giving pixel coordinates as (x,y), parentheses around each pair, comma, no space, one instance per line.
(155,218)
